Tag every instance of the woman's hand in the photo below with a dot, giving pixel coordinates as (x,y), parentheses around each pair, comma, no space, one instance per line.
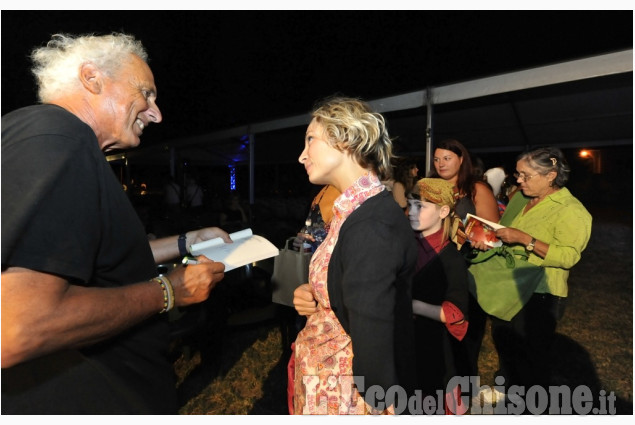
(304,301)
(300,239)
(167,248)
(480,245)
(200,235)
(510,235)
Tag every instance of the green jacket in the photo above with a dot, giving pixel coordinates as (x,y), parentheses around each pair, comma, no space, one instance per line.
(559,220)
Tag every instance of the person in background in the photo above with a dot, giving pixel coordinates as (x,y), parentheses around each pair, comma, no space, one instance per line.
(360,334)
(388,183)
(316,227)
(318,221)
(82,324)
(233,217)
(509,188)
(404,177)
(193,195)
(172,198)
(439,291)
(495,177)
(452,162)
(478,167)
(554,228)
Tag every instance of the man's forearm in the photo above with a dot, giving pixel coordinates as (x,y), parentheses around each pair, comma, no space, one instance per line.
(166,249)
(42,313)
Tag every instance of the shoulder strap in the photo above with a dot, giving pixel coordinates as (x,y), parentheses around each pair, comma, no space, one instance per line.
(504,251)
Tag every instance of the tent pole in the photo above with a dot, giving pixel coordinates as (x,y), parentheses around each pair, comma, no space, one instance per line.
(428,130)
(252,142)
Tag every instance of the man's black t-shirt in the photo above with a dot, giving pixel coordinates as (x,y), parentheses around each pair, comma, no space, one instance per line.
(65,213)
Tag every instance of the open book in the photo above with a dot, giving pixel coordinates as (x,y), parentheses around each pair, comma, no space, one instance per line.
(247,248)
(478,229)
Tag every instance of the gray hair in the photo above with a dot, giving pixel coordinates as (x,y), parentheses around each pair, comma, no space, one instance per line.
(545,160)
(56,65)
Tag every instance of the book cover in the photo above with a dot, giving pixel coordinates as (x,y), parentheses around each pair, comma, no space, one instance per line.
(478,229)
(247,248)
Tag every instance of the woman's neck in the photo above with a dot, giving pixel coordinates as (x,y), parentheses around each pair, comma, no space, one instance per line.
(348,175)
(535,200)
(542,196)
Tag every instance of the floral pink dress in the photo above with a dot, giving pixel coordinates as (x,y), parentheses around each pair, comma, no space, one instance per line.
(323,350)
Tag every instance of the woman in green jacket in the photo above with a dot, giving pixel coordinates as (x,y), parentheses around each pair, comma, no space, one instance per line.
(553,228)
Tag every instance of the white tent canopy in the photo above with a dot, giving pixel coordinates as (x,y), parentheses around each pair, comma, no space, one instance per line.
(580,103)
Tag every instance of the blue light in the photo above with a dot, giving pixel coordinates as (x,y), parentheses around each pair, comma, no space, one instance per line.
(232,177)
(245,142)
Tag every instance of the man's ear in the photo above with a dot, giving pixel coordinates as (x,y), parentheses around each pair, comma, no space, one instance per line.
(90,77)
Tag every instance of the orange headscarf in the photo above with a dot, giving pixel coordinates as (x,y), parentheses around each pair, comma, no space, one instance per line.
(441,192)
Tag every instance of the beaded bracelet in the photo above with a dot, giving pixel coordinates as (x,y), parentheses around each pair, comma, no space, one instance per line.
(168,293)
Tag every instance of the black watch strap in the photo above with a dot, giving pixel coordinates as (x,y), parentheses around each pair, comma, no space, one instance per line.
(182,248)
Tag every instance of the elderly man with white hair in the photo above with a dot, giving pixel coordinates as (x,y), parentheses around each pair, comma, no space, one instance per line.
(82,331)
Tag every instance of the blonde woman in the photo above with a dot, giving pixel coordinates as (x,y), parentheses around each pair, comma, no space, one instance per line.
(359,334)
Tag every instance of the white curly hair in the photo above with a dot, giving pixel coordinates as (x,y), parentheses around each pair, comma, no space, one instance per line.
(57,64)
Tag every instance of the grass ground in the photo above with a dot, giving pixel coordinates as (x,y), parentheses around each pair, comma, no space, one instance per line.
(594,345)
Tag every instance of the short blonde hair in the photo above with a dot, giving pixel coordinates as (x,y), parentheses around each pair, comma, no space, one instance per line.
(352,126)
(56,65)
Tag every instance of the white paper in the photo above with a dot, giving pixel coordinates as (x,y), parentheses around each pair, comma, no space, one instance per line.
(247,248)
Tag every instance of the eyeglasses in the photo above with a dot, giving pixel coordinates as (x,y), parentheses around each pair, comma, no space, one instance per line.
(524,177)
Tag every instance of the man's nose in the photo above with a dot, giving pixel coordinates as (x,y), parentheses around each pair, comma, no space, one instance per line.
(154,114)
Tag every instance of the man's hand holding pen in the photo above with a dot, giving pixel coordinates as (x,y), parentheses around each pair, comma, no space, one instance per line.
(187,260)
(192,284)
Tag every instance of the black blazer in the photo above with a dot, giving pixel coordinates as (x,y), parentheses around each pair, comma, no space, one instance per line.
(369,283)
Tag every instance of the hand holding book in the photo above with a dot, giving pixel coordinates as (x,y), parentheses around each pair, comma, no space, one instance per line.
(478,229)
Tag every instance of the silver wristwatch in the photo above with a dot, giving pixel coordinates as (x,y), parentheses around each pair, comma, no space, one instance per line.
(531,245)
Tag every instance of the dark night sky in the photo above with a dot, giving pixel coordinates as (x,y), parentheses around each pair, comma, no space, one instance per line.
(218,69)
